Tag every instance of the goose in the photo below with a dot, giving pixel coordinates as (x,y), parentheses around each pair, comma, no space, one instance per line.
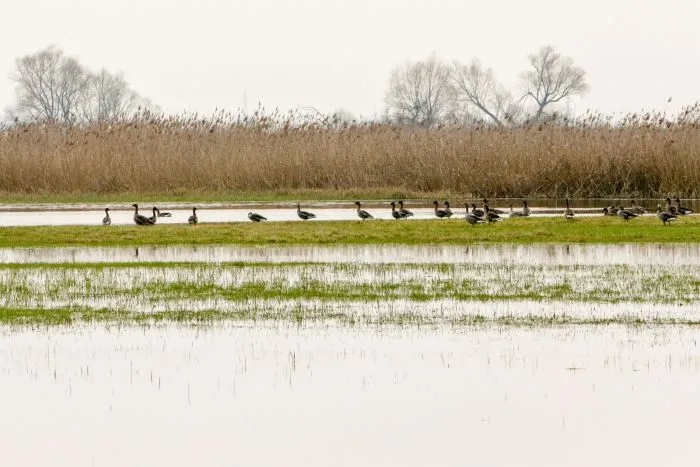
(304,215)
(494,210)
(255,217)
(671,208)
(526,209)
(681,210)
(610,210)
(515,213)
(404,212)
(361,213)
(664,216)
(163,214)
(476,211)
(626,214)
(440,213)
(394,213)
(154,217)
(472,218)
(637,209)
(447,209)
(193,218)
(568,213)
(491,216)
(107,220)
(139,219)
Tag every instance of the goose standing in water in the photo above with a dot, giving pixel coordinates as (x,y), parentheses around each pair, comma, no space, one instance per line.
(671,208)
(526,209)
(447,209)
(361,213)
(664,216)
(193,218)
(473,219)
(515,213)
(107,220)
(255,217)
(440,213)
(154,217)
(394,213)
(304,215)
(476,211)
(681,210)
(139,219)
(568,213)
(163,214)
(626,214)
(404,212)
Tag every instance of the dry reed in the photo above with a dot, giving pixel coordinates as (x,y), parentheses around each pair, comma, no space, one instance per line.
(641,155)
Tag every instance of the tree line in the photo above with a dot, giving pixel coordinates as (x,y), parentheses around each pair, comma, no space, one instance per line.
(431,92)
(53,87)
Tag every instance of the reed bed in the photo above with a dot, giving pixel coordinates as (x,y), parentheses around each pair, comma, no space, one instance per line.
(646,155)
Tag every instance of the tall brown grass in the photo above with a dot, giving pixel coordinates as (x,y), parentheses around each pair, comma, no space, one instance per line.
(640,155)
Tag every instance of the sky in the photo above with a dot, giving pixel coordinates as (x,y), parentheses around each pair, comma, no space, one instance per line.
(199,55)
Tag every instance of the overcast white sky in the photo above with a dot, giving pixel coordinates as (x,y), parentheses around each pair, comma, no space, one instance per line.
(201,54)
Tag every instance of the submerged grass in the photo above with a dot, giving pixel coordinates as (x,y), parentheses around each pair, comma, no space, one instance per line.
(455,231)
(300,316)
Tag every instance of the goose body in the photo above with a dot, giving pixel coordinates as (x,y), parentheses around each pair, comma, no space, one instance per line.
(192,220)
(493,210)
(490,216)
(140,219)
(304,215)
(568,213)
(106,220)
(255,217)
(476,211)
(680,209)
(671,208)
(664,216)
(472,218)
(154,217)
(361,213)
(637,209)
(163,214)
(447,209)
(394,213)
(626,214)
(404,212)
(440,213)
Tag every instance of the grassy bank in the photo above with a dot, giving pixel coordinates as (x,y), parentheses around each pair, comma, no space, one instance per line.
(647,156)
(453,231)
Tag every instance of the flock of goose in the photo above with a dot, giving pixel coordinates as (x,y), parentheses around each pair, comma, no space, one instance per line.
(482,215)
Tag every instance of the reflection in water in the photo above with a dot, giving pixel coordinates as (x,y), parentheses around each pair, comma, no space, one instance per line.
(627,254)
(257,395)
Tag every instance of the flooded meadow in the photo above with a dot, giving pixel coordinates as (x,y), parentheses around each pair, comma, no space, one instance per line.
(541,355)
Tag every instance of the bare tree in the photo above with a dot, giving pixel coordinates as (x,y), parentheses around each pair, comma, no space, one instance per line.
(52,87)
(420,93)
(551,78)
(110,97)
(476,87)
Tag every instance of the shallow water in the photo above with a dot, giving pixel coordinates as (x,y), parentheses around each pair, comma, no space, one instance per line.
(260,395)
(180,216)
(575,254)
(122,214)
